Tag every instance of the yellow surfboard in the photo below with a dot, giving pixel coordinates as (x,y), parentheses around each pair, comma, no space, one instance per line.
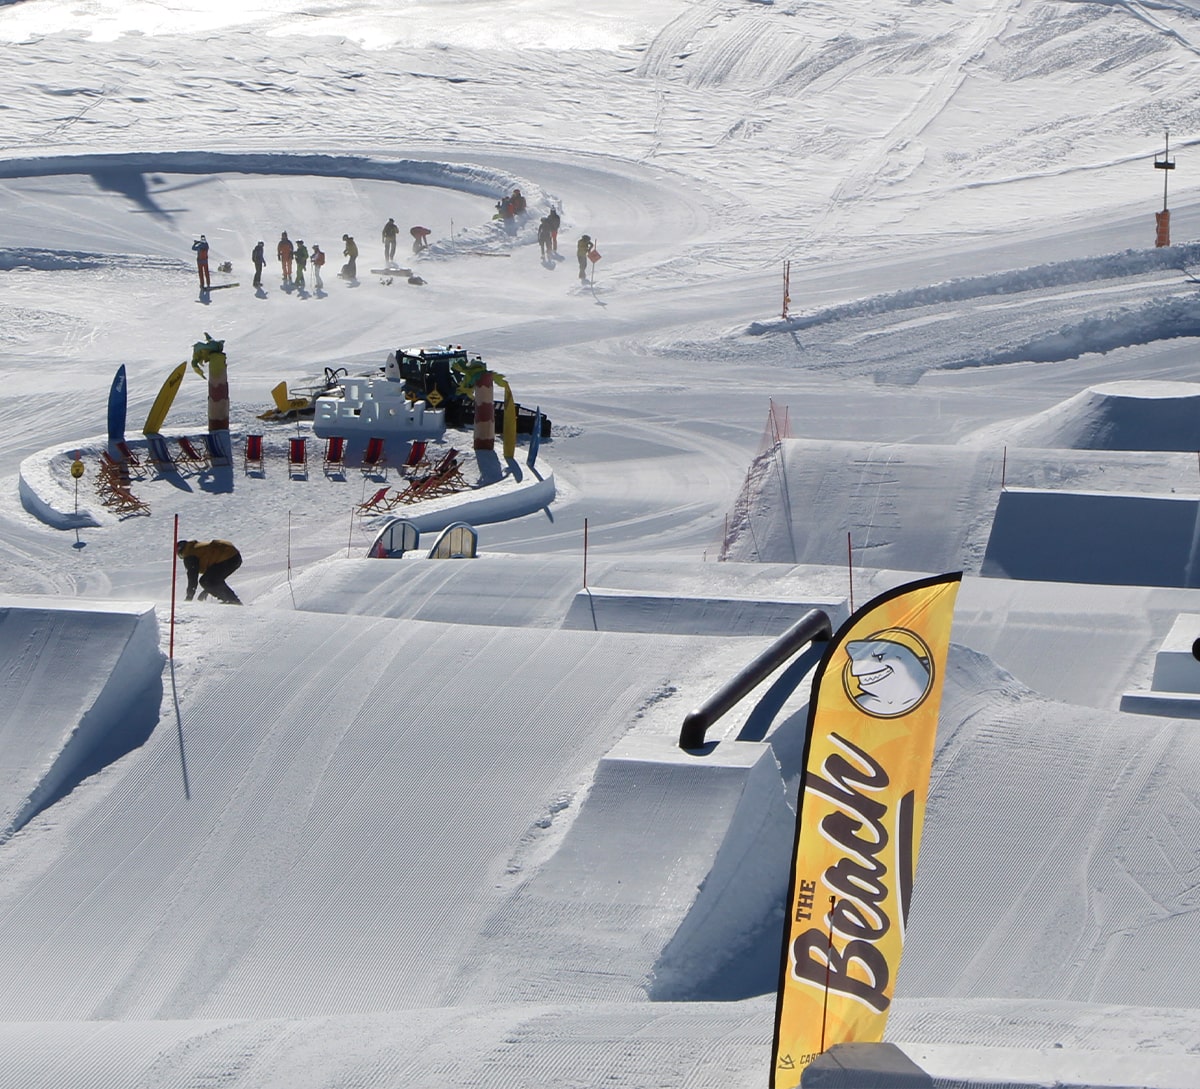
(162,403)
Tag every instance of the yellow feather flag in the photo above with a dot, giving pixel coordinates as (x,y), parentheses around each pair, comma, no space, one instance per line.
(872,723)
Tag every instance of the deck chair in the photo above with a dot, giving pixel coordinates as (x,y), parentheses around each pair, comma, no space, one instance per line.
(161,460)
(112,474)
(189,455)
(377,504)
(253,458)
(416,457)
(131,459)
(217,445)
(374,459)
(335,455)
(298,457)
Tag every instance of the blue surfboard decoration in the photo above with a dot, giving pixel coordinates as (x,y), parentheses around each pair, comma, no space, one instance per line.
(118,402)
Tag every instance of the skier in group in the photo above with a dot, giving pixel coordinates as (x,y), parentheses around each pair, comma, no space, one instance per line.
(555,221)
(285,250)
(259,260)
(544,244)
(390,231)
(318,260)
(201,248)
(350,269)
(210,563)
(301,261)
(420,236)
(582,250)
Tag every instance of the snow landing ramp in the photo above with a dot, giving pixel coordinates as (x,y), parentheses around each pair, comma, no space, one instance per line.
(80,686)
(1094,537)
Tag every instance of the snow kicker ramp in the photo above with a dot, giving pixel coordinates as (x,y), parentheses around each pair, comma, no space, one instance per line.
(332,825)
(80,685)
(1133,540)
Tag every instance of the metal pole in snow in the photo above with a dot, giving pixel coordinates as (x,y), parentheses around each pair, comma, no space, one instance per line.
(174,570)
(585,546)
(351,537)
(828,962)
(850,568)
(1004,469)
(289,547)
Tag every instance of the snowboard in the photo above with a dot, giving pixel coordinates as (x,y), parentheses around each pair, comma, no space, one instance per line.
(395,270)
(217,287)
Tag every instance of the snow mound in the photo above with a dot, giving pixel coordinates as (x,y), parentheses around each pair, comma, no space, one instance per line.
(1133,415)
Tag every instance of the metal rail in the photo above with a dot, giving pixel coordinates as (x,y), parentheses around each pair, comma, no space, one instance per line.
(813,625)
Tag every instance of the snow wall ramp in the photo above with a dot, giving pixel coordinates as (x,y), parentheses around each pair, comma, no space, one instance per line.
(1094,537)
(666,885)
(80,686)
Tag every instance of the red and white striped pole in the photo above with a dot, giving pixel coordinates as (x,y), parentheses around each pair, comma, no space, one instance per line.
(485,413)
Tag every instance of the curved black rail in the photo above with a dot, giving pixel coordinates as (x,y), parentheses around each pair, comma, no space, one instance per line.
(813,625)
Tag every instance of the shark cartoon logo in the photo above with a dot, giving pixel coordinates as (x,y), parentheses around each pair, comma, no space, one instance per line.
(888,674)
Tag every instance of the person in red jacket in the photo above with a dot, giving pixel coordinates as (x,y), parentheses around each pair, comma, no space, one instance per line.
(210,563)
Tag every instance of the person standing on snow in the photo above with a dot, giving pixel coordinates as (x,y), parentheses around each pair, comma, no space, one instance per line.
(581,251)
(350,270)
(318,260)
(259,260)
(554,220)
(285,250)
(390,231)
(201,248)
(544,237)
(301,261)
(210,563)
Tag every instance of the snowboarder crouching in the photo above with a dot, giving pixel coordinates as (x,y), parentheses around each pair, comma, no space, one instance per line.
(420,237)
(210,563)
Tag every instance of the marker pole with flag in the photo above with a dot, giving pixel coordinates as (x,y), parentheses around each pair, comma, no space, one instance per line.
(593,256)
(872,723)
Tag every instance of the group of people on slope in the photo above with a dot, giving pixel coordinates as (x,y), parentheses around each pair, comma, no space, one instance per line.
(294,259)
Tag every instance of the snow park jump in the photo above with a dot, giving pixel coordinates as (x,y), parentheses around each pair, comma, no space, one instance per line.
(411,824)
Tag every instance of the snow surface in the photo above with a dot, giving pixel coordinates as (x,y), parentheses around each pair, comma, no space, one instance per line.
(427,823)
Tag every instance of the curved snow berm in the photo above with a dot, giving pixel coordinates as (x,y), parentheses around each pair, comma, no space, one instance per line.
(1132,415)
(81,687)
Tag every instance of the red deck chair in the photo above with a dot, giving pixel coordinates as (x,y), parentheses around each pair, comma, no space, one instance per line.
(378,503)
(254,454)
(416,457)
(335,455)
(374,459)
(189,455)
(130,457)
(298,457)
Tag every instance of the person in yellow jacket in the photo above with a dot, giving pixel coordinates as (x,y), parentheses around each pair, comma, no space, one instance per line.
(210,563)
